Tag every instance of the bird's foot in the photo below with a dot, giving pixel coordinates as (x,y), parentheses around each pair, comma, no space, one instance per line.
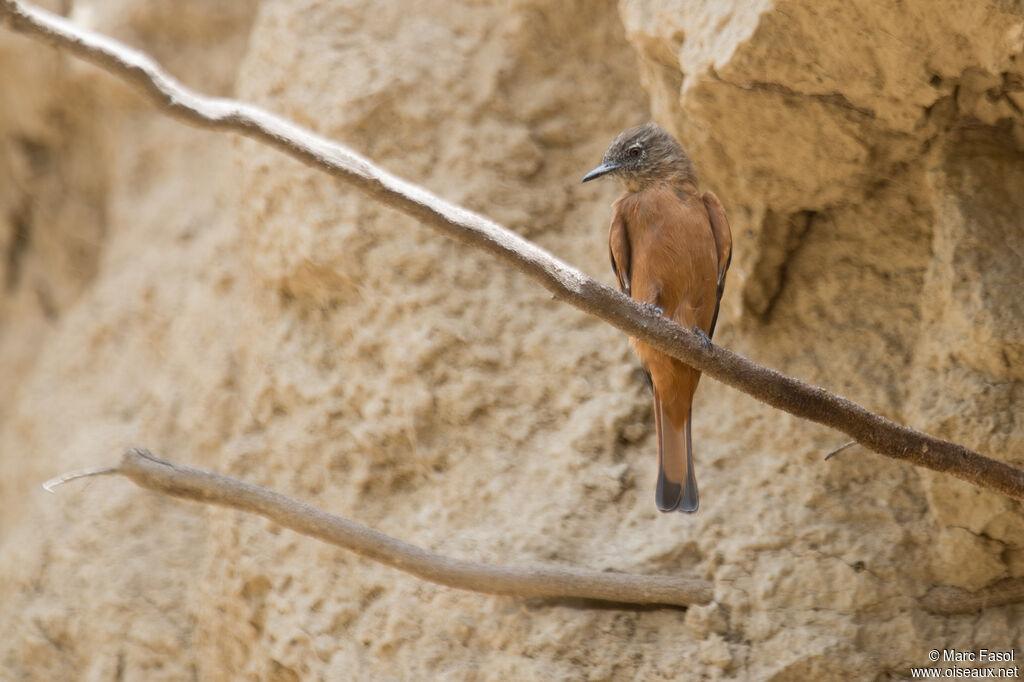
(705,340)
(653,308)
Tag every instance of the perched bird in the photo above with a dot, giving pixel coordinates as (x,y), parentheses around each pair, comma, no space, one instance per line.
(670,249)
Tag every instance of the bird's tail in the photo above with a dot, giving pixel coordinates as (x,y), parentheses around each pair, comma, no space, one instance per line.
(677,484)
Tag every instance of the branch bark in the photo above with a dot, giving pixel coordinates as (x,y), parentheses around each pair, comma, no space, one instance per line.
(198,485)
(871,430)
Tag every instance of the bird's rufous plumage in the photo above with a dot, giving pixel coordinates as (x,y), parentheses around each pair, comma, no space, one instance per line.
(670,248)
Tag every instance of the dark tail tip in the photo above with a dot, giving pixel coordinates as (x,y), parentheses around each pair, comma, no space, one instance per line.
(668,494)
(681,497)
(690,500)
(671,496)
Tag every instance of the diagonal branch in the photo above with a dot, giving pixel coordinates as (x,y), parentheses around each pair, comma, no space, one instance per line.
(567,283)
(208,487)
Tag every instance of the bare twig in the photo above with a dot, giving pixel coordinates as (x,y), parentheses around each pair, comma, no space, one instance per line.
(948,601)
(785,393)
(199,485)
(842,447)
(50,486)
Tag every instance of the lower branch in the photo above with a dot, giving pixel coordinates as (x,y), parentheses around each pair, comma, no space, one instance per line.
(199,485)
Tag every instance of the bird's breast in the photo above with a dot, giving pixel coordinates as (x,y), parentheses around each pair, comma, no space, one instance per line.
(674,258)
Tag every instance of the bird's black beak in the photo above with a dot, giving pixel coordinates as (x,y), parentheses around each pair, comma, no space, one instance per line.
(600,170)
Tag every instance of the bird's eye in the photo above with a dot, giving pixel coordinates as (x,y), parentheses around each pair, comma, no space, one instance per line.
(634,151)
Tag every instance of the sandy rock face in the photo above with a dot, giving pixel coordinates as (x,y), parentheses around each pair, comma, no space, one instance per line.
(227,307)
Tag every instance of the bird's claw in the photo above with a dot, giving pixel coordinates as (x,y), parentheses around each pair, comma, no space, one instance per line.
(705,340)
(653,308)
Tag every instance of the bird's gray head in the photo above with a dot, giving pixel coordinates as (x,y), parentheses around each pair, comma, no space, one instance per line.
(643,155)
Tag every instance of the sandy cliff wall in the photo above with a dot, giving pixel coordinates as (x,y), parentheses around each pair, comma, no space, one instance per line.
(224,306)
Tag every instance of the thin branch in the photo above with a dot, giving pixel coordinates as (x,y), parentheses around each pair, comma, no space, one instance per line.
(189,483)
(842,447)
(151,472)
(785,393)
(51,485)
(949,601)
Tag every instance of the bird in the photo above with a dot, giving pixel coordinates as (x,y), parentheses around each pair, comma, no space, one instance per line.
(670,250)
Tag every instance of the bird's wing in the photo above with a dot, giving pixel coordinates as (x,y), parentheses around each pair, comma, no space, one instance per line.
(723,244)
(618,246)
